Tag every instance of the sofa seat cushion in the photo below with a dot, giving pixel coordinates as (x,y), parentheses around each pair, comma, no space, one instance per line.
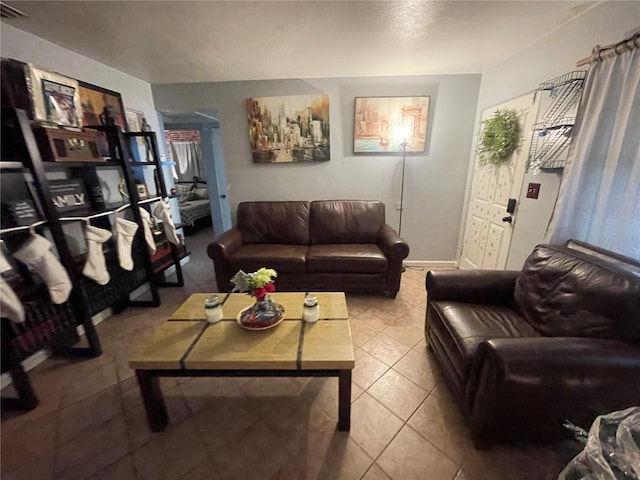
(346,258)
(282,258)
(461,327)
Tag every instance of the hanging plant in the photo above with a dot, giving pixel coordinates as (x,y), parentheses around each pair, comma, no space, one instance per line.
(499,138)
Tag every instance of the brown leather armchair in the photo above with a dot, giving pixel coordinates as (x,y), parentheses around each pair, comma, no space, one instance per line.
(524,351)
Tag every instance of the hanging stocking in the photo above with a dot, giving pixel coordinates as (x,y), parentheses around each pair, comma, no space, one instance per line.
(125,232)
(10,305)
(163,212)
(146,227)
(36,253)
(96,266)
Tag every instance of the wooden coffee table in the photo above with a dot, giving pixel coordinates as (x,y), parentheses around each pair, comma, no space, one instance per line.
(187,346)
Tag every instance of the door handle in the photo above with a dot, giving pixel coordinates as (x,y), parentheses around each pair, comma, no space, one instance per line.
(507,219)
(223,196)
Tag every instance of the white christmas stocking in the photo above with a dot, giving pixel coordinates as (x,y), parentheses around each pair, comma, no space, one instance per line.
(10,305)
(163,212)
(146,227)
(125,232)
(36,253)
(96,266)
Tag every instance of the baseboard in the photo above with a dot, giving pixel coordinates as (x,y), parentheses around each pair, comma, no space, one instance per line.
(431,263)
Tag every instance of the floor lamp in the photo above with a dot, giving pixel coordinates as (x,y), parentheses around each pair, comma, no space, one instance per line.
(403,145)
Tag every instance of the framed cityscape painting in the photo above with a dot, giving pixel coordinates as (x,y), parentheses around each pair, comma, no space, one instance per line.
(292,128)
(384,124)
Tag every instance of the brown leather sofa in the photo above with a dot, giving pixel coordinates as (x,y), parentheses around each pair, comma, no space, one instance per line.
(523,351)
(330,245)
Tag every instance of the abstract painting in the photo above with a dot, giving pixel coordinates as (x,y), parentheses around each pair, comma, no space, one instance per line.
(384,124)
(292,128)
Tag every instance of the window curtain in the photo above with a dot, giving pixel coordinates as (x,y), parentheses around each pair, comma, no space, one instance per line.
(599,198)
(188,158)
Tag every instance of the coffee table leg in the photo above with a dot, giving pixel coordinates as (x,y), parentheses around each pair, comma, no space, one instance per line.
(344,400)
(153,401)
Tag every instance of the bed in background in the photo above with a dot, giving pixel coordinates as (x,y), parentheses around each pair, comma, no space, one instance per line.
(193,203)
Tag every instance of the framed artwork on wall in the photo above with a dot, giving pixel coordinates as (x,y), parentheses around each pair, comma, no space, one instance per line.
(383,124)
(292,128)
(101,106)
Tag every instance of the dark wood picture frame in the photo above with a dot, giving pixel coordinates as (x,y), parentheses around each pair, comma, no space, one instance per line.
(94,99)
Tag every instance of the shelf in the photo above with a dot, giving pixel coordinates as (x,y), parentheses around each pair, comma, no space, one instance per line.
(151,164)
(12,166)
(63,165)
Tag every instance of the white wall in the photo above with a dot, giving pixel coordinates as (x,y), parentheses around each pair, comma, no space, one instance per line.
(554,55)
(434,180)
(26,47)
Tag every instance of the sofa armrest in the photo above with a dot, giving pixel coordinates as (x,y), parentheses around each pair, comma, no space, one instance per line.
(493,287)
(219,251)
(392,244)
(526,387)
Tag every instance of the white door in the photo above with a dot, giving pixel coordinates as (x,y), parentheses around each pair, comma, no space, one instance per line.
(489,226)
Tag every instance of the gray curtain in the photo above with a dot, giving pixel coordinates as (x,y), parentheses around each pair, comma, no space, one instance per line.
(188,158)
(599,199)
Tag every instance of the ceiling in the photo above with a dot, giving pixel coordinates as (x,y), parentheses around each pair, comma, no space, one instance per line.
(184,41)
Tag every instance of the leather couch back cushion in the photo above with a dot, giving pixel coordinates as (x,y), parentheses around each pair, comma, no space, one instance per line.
(274,222)
(565,292)
(345,221)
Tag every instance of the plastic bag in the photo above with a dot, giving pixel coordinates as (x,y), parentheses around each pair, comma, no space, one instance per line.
(612,451)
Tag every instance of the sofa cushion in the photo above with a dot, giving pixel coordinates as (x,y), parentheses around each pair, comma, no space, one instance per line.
(282,258)
(565,292)
(461,327)
(274,222)
(345,221)
(346,258)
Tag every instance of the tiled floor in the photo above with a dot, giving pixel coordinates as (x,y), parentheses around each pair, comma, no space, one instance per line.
(405,425)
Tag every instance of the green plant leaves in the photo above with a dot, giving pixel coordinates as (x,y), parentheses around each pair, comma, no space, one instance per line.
(499,138)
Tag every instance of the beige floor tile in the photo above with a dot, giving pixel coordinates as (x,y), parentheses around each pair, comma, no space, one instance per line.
(225,420)
(122,469)
(138,427)
(257,454)
(462,475)
(406,334)
(372,424)
(92,450)
(361,332)
(200,392)
(205,470)
(340,458)
(420,368)
(509,463)
(367,369)
(411,457)
(398,394)
(172,454)
(84,414)
(82,383)
(441,422)
(375,473)
(385,349)
(323,392)
(27,437)
(28,468)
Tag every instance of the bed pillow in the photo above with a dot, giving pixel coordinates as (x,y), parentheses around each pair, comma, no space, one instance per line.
(200,193)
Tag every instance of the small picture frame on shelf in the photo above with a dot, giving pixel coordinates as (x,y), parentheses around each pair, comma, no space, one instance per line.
(143,193)
(69,195)
(101,106)
(134,123)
